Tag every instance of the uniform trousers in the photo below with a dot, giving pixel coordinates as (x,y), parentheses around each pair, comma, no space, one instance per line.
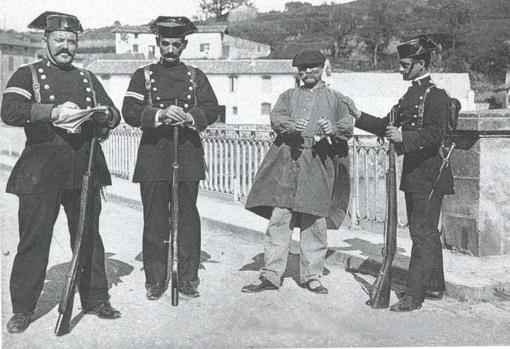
(426,264)
(36,217)
(156,198)
(313,245)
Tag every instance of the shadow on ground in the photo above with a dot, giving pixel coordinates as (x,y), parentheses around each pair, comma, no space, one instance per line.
(56,277)
(362,267)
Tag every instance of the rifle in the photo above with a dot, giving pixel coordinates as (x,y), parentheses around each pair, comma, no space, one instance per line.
(380,292)
(172,273)
(65,308)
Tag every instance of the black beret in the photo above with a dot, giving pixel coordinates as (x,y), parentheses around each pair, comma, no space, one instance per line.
(308,57)
(416,46)
(172,27)
(53,21)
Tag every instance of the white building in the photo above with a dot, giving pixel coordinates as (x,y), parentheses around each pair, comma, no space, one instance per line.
(248,89)
(210,42)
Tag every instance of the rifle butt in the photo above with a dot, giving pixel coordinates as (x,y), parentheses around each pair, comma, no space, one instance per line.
(63,325)
(380,299)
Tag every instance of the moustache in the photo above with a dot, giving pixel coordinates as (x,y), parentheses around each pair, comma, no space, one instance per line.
(169,55)
(64,51)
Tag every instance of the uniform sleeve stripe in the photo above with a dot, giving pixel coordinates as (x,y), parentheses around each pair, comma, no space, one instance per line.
(135,95)
(19,91)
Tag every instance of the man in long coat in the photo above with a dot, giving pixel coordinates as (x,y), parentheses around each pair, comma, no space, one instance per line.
(304,178)
(38,97)
(419,132)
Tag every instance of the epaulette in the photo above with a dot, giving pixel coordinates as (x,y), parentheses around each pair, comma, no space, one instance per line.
(29,63)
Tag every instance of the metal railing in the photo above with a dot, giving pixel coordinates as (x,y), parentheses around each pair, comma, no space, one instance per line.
(233,157)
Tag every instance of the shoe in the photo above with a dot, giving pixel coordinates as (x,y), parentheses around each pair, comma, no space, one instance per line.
(319,289)
(19,322)
(434,295)
(104,310)
(264,285)
(431,295)
(155,291)
(406,303)
(189,289)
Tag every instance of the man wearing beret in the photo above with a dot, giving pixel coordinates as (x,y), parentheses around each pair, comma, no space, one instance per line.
(38,97)
(304,179)
(422,116)
(162,96)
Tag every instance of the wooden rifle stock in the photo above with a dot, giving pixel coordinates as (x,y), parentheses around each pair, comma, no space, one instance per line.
(381,289)
(65,307)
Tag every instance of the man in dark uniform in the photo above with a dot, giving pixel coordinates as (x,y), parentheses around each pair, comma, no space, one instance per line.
(49,171)
(161,96)
(422,116)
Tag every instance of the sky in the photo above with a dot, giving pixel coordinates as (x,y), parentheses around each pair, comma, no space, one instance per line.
(16,14)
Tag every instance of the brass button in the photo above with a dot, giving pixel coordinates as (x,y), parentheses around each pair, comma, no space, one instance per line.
(162,105)
(150,72)
(88,89)
(190,88)
(152,80)
(43,77)
(82,73)
(186,105)
(158,98)
(52,98)
(154,89)
(46,87)
(88,99)
(188,96)
(85,80)
(41,70)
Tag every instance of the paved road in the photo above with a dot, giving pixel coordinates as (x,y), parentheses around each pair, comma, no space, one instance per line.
(223,316)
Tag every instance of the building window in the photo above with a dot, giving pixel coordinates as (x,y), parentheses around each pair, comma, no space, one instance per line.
(11,63)
(265,108)
(234,110)
(204,48)
(136,35)
(233,79)
(266,84)
(152,51)
(135,48)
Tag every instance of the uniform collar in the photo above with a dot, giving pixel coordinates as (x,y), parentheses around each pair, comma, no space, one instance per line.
(424,79)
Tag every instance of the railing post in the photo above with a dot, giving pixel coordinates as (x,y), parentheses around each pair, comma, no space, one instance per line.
(355,194)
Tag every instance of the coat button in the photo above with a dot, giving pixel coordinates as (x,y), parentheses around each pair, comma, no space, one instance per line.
(41,70)
(189,73)
(43,77)
(152,80)
(421,97)
(154,89)
(85,80)
(186,105)
(52,98)
(412,123)
(188,96)
(150,72)
(158,98)
(190,88)
(88,107)
(82,73)
(46,87)
(88,99)
(162,105)
(88,89)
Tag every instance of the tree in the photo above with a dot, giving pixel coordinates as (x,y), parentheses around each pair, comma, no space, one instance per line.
(379,26)
(343,25)
(452,16)
(296,5)
(217,8)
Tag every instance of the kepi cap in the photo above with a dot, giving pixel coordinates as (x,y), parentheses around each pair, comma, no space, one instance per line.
(308,58)
(53,21)
(172,27)
(416,46)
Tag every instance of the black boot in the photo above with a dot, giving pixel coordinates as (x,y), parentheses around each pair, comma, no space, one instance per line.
(103,310)
(264,285)
(19,322)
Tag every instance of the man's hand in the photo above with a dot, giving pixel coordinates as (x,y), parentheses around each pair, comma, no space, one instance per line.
(175,115)
(103,118)
(301,125)
(353,110)
(393,134)
(63,111)
(326,126)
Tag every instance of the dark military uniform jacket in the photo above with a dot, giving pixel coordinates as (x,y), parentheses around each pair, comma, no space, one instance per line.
(170,83)
(421,137)
(53,159)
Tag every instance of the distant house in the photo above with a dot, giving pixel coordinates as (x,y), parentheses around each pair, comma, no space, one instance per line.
(210,42)
(13,53)
(246,89)
(242,12)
